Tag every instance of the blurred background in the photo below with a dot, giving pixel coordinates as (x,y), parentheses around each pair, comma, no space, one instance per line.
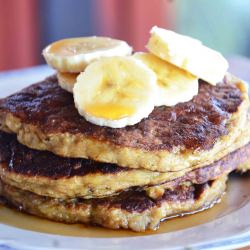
(27,26)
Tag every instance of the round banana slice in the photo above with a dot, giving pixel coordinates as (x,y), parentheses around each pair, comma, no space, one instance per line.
(115,92)
(175,85)
(74,54)
(67,80)
(189,54)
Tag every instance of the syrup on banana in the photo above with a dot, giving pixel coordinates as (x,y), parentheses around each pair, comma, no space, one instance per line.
(74,54)
(116,89)
(115,92)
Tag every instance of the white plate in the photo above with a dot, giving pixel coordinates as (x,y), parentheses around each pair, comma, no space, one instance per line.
(226,226)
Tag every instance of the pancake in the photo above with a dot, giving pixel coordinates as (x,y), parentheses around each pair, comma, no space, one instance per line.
(194,133)
(47,174)
(130,210)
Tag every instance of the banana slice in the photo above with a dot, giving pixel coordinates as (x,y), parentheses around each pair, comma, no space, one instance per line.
(189,54)
(175,85)
(115,92)
(67,80)
(74,54)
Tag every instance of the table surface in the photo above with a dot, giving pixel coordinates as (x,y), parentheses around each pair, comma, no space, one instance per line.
(239,66)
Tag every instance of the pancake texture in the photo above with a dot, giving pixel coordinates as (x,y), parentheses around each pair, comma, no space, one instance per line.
(130,210)
(194,133)
(54,164)
(46,174)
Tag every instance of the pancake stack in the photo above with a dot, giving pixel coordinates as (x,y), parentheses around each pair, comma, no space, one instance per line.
(57,165)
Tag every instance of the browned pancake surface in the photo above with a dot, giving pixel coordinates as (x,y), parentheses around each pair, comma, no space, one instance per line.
(22,160)
(131,209)
(132,200)
(196,124)
(139,201)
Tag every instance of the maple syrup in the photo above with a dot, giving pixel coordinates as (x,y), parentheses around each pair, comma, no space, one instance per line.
(238,195)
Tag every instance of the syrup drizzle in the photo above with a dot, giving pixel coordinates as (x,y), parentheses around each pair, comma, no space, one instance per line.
(238,195)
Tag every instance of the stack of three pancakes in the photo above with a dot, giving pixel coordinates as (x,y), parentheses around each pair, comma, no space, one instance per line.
(56,165)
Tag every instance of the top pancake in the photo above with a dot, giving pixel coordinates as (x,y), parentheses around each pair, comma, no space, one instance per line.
(170,139)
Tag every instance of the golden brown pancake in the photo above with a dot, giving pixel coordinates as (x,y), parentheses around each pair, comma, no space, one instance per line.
(130,210)
(46,174)
(194,133)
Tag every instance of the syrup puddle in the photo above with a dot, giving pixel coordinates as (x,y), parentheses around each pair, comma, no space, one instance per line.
(238,195)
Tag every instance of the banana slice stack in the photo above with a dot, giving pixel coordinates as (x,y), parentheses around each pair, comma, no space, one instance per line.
(188,53)
(113,88)
(71,56)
